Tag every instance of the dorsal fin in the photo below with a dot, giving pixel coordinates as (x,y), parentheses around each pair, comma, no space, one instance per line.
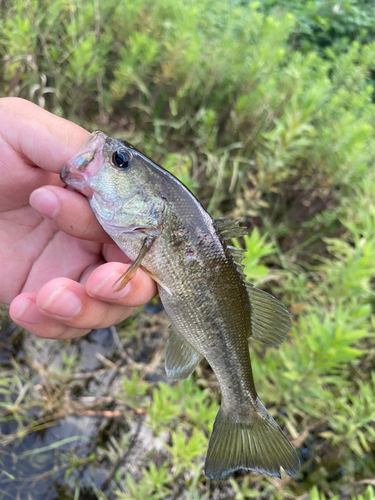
(238,254)
(221,221)
(230,228)
(227,223)
(270,320)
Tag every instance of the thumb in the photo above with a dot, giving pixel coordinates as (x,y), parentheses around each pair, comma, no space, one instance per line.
(46,140)
(70,212)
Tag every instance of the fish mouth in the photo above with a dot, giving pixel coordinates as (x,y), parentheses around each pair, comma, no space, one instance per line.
(77,171)
(75,179)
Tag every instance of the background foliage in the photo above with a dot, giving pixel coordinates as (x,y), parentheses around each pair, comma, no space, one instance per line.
(264,110)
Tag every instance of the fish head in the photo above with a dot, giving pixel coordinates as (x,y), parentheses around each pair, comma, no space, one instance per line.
(117,181)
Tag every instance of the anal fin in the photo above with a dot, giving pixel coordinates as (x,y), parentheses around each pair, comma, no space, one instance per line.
(181,358)
(270,320)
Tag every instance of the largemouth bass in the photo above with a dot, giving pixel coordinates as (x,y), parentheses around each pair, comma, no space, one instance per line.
(162,227)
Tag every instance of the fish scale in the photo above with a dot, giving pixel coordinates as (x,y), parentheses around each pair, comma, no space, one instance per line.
(159,224)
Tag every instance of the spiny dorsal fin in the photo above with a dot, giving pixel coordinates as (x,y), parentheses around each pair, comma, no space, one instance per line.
(222,221)
(233,232)
(234,250)
(238,260)
(229,228)
(270,320)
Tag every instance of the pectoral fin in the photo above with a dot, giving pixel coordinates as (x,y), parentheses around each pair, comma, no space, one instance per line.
(158,281)
(130,272)
(270,320)
(181,358)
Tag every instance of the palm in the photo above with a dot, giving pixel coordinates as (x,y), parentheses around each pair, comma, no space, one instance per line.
(33,252)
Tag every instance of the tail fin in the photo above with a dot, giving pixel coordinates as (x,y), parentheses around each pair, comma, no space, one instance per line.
(259,445)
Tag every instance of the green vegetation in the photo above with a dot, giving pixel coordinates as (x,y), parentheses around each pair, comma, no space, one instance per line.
(322,24)
(264,110)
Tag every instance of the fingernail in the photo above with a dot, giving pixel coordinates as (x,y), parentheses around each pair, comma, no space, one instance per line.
(26,311)
(107,287)
(63,302)
(45,202)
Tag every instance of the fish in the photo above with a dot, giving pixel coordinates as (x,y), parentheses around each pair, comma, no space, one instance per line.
(163,228)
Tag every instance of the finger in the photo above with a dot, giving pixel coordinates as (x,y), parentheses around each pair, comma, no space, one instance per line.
(137,292)
(45,139)
(112,253)
(67,301)
(63,309)
(69,211)
(63,255)
(24,312)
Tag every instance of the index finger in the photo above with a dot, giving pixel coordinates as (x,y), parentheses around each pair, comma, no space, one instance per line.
(46,140)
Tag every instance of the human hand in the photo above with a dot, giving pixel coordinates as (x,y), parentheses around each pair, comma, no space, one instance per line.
(52,249)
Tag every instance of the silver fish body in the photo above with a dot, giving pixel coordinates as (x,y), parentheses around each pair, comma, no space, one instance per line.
(160,225)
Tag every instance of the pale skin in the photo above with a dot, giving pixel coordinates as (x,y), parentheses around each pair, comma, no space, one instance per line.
(57,265)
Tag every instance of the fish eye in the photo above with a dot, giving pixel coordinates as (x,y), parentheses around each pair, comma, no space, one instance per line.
(121,158)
